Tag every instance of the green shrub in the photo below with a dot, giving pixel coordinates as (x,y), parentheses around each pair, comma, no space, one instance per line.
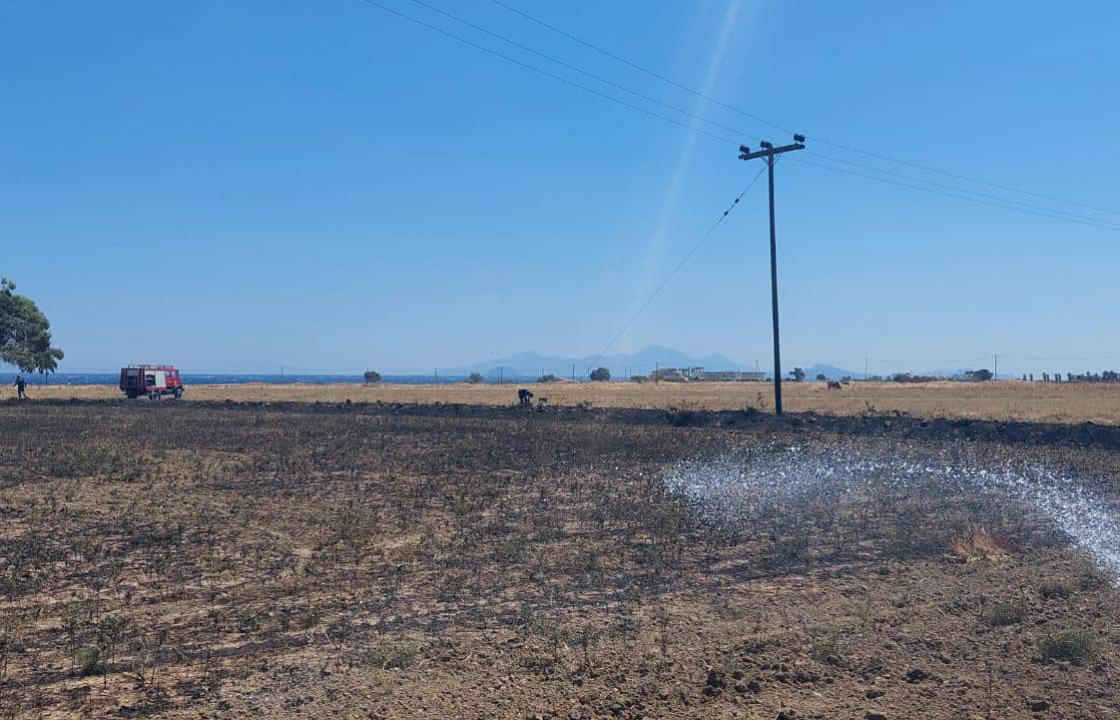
(89,662)
(391,655)
(1072,644)
(1005,613)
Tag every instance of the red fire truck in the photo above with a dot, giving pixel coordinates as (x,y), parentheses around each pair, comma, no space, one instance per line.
(155,381)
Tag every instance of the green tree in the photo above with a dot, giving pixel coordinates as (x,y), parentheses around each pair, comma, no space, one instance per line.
(372,376)
(821,377)
(797,374)
(600,374)
(25,332)
(475,378)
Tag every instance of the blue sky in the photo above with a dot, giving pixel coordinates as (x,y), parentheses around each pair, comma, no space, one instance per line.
(232,186)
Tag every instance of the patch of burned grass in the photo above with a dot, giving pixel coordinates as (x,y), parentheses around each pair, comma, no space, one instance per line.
(365,556)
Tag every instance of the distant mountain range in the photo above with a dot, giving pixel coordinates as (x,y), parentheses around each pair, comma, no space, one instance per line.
(829,371)
(532,364)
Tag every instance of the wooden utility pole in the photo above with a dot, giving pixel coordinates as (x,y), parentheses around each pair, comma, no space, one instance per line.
(769,153)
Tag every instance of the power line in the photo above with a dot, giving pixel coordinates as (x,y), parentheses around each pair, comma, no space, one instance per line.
(764,121)
(928,362)
(1040,212)
(577,69)
(959,176)
(1063,357)
(647,71)
(539,70)
(957,193)
(996,198)
(681,264)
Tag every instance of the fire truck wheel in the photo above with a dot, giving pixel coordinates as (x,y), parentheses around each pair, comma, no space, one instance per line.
(154,395)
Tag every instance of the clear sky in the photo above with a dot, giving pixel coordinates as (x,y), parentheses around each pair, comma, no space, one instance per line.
(232,186)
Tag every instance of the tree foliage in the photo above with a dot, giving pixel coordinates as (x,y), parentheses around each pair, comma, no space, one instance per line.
(476,378)
(25,332)
(600,374)
(797,374)
(372,376)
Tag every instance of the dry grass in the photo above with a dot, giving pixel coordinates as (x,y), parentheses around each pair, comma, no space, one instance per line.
(977,544)
(1007,400)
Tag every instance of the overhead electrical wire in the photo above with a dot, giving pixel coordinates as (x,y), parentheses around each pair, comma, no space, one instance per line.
(966,198)
(777,126)
(647,71)
(681,264)
(575,68)
(1103,223)
(539,70)
(936,188)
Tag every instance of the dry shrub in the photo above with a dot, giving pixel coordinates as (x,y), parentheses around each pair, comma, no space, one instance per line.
(977,544)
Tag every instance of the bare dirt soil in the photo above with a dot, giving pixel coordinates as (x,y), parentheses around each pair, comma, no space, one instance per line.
(213,559)
(1005,400)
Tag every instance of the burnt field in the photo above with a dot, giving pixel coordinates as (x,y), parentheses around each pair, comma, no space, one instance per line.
(302,560)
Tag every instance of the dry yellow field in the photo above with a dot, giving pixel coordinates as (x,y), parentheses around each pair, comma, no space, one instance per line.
(1006,400)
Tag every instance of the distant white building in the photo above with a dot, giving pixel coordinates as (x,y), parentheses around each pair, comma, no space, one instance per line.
(699,374)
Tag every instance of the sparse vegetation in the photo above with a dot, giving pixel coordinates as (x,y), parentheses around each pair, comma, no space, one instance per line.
(252,560)
(1055,590)
(1071,644)
(371,377)
(1005,613)
(391,656)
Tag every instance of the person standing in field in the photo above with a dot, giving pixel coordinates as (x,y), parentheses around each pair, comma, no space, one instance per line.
(21,387)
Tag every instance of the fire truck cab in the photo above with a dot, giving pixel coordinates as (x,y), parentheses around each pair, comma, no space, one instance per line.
(155,381)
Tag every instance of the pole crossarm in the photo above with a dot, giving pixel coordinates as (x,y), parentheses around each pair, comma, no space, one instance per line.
(770,151)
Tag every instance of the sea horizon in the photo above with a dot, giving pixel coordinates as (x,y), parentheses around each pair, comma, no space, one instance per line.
(110,378)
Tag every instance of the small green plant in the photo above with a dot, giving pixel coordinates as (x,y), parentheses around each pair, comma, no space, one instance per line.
(825,647)
(586,637)
(391,655)
(88,661)
(1091,577)
(1072,644)
(1005,613)
(247,621)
